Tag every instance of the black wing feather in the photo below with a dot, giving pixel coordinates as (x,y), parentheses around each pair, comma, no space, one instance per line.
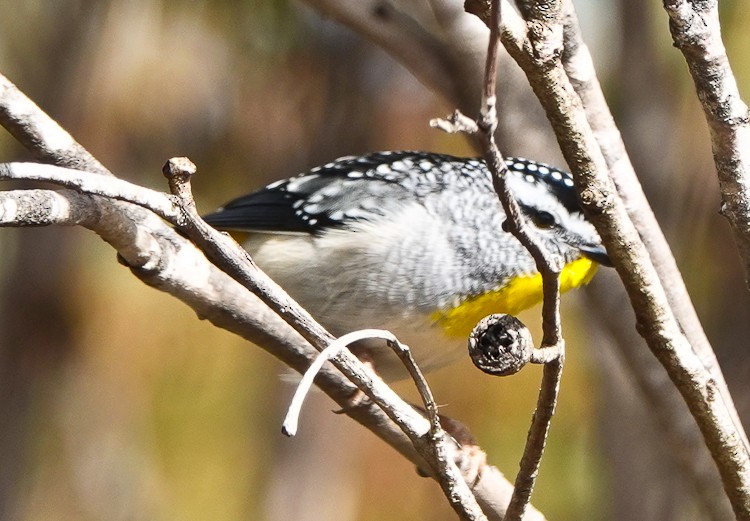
(265,210)
(353,189)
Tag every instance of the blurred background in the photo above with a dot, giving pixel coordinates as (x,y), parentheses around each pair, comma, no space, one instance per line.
(117,403)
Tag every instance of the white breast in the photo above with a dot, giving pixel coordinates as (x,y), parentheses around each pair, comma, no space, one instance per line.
(355,279)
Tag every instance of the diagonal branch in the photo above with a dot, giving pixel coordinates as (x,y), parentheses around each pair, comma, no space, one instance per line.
(44,138)
(165,260)
(696,31)
(237,263)
(656,321)
(580,69)
(714,412)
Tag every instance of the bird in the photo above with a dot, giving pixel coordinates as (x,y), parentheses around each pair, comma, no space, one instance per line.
(414,243)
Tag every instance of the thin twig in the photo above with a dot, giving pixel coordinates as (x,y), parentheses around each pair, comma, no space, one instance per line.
(103,185)
(548,265)
(291,421)
(547,354)
(428,400)
(455,123)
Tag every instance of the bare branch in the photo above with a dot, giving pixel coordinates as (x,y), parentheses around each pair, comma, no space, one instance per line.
(666,406)
(46,207)
(103,185)
(657,322)
(167,261)
(236,262)
(580,69)
(40,134)
(696,31)
(714,410)
(439,46)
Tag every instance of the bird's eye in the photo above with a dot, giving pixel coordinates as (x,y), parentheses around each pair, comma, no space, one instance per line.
(543,220)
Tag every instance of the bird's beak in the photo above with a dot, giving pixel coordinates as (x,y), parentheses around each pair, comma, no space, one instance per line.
(596,253)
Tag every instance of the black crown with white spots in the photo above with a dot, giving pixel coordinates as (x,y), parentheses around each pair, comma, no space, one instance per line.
(360,188)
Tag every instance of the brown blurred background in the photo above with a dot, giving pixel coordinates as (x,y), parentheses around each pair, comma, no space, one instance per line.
(117,403)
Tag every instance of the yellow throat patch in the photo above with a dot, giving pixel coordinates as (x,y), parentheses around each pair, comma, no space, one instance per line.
(518,294)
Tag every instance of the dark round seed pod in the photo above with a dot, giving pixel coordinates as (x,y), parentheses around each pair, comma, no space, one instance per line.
(500,345)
